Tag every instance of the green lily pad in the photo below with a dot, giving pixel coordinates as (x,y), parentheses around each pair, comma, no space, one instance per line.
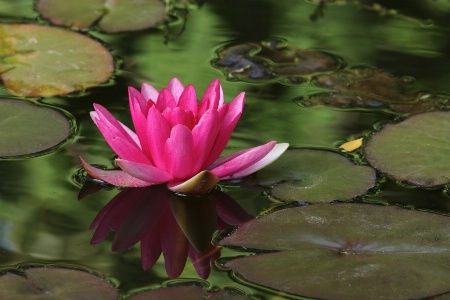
(40,60)
(112,16)
(346,251)
(415,150)
(316,176)
(187,292)
(29,130)
(55,283)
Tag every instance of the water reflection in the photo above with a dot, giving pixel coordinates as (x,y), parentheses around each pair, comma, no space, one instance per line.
(165,223)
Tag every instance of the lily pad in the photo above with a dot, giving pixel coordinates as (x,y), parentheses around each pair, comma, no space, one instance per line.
(29,130)
(55,283)
(346,251)
(40,60)
(316,176)
(415,150)
(272,59)
(112,16)
(372,89)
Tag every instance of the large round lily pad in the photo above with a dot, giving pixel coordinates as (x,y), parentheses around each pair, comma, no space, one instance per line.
(55,283)
(416,150)
(40,60)
(316,176)
(347,251)
(28,129)
(112,16)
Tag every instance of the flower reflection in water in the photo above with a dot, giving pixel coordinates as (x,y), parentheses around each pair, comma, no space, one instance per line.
(164,222)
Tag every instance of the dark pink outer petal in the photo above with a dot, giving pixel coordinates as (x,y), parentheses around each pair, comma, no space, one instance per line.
(226,167)
(179,153)
(114,177)
(144,172)
(202,261)
(150,248)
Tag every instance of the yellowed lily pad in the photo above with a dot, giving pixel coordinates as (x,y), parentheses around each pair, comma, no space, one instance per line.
(30,130)
(315,176)
(416,150)
(346,251)
(40,60)
(112,16)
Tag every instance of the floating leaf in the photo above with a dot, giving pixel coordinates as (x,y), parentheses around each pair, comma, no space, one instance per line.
(347,251)
(114,16)
(28,129)
(272,59)
(374,89)
(352,145)
(39,60)
(315,176)
(55,283)
(415,150)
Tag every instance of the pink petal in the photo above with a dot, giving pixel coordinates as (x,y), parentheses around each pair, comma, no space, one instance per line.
(149,92)
(165,100)
(144,172)
(176,88)
(204,136)
(136,99)
(273,155)
(233,114)
(226,167)
(114,177)
(179,154)
(158,131)
(108,121)
(138,109)
(202,261)
(229,210)
(212,98)
(188,99)
(179,116)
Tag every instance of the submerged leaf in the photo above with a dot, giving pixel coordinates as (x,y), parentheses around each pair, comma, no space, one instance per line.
(316,176)
(346,251)
(272,59)
(415,150)
(28,129)
(373,89)
(39,60)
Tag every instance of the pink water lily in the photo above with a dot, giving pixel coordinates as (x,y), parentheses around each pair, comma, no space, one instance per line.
(177,140)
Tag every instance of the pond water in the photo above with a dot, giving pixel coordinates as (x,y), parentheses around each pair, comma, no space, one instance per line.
(41,219)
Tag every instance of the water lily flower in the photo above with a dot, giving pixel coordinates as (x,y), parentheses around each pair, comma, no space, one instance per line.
(177,140)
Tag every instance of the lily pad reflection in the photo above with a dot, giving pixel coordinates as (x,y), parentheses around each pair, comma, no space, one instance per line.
(30,130)
(315,176)
(346,251)
(416,150)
